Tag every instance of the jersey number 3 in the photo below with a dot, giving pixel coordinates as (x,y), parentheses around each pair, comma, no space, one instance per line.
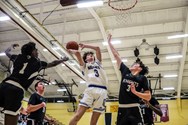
(128,88)
(96,72)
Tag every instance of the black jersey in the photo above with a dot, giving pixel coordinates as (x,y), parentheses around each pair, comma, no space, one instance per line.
(147,112)
(25,69)
(38,115)
(125,94)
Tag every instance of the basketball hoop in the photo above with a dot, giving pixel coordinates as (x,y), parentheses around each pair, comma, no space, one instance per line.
(122,10)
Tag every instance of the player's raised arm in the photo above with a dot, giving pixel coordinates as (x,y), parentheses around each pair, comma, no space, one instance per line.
(114,51)
(8,50)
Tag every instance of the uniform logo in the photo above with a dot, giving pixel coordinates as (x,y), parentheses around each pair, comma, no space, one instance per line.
(130,81)
(93,67)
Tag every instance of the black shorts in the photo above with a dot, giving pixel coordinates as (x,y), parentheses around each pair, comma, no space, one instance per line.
(33,122)
(129,116)
(10,98)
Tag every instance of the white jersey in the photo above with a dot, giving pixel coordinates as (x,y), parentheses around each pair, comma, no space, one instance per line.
(94,73)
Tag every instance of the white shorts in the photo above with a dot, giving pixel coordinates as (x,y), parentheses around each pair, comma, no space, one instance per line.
(94,97)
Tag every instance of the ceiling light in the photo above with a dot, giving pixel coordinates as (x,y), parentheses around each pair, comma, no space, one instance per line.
(156,60)
(61,90)
(166,98)
(4,18)
(72,64)
(174,56)
(2,54)
(136,52)
(168,88)
(82,82)
(53,83)
(169,76)
(90,4)
(178,36)
(55,48)
(60,101)
(113,42)
(62,64)
(156,50)
(45,50)
(114,61)
(124,60)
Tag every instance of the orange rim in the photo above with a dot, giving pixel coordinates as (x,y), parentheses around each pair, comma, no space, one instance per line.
(118,9)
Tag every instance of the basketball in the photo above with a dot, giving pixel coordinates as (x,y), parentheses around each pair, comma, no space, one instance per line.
(72,45)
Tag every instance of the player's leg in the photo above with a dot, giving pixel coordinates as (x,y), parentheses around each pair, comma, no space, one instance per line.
(100,96)
(13,98)
(122,117)
(84,104)
(136,117)
(79,113)
(11,119)
(94,118)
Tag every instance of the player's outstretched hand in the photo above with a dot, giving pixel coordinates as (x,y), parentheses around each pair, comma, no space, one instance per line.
(15,45)
(82,46)
(72,51)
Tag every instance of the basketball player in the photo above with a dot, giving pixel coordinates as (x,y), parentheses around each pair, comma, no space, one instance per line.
(37,106)
(26,68)
(147,110)
(133,81)
(96,92)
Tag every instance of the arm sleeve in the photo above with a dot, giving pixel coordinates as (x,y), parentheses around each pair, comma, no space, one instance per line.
(32,99)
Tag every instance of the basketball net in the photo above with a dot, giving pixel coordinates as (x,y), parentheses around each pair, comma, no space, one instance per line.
(122,10)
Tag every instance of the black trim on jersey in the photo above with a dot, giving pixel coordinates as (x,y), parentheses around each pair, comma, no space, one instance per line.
(97,86)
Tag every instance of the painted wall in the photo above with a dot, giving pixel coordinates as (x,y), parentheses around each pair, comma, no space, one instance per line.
(178,113)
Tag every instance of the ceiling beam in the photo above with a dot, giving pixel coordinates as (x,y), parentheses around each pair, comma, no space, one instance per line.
(182,63)
(104,35)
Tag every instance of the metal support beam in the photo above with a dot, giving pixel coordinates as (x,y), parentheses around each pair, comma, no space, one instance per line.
(182,63)
(104,35)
